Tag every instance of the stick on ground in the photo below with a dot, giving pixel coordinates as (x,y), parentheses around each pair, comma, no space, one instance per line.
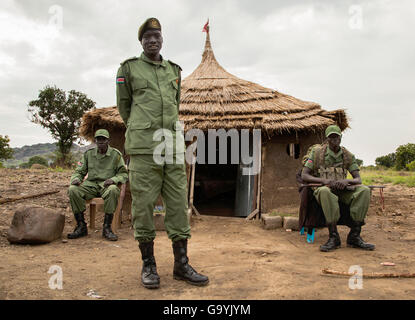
(372,275)
(28,196)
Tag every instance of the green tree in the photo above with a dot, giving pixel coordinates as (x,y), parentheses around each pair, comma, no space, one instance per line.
(405,154)
(359,162)
(386,161)
(5,151)
(61,114)
(38,160)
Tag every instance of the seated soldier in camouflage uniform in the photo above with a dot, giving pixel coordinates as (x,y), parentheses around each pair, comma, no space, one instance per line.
(105,168)
(328,164)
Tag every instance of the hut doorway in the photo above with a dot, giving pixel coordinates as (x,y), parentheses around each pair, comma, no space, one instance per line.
(222,188)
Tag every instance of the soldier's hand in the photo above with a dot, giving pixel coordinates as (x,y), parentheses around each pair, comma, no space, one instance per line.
(76,182)
(331,183)
(339,185)
(108,182)
(342,184)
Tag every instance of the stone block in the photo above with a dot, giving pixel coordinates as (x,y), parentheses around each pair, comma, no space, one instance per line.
(271,222)
(35,225)
(291,223)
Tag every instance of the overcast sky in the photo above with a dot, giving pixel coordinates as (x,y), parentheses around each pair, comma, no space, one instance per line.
(357,55)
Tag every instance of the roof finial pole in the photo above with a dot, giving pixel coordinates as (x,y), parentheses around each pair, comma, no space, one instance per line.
(208,48)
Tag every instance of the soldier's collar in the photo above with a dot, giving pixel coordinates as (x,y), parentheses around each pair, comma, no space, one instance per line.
(163,62)
(108,153)
(334,155)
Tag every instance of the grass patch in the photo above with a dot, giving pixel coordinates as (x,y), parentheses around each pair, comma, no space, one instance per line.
(277,213)
(376,177)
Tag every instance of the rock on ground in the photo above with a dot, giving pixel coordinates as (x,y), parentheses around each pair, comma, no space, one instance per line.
(271,222)
(34,225)
(291,223)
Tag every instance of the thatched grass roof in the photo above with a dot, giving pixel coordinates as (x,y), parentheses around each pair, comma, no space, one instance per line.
(101,118)
(212,98)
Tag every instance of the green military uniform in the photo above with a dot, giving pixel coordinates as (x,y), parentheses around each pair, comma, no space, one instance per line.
(333,167)
(99,168)
(148,97)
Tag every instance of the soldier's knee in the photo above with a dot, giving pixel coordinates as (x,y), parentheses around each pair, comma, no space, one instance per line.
(73,190)
(113,189)
(364,190)
(324,190)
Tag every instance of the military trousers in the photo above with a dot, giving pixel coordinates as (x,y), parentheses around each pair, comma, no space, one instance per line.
(358,200)
(147,181)
(89,190)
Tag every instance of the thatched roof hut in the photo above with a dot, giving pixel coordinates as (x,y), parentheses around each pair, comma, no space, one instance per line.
(212,98)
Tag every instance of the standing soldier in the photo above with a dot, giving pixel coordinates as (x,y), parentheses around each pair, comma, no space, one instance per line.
(328,165)
(148,97)
(105,168)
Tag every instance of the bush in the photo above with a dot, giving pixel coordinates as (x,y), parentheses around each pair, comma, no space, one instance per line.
(37,160)
(66,161)
(405,154)
(411,166)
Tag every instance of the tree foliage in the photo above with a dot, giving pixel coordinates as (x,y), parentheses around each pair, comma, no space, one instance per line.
(61,114)
(38,160)
(33,160)
(387,161)
(411,166)
(405,154)
(5,151)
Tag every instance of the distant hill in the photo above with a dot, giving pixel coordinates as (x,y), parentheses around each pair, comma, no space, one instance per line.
(23,154)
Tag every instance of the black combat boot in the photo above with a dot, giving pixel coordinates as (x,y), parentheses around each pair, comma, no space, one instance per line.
(334,239)
(149,276)
(354,240)
(81,230)
(106,230)
(182,269)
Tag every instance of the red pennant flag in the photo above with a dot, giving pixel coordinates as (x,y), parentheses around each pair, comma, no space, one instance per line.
(206,27)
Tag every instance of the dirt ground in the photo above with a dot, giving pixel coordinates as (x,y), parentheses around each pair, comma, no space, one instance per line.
(242,260)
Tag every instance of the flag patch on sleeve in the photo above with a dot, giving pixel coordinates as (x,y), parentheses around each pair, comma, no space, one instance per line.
(120,80)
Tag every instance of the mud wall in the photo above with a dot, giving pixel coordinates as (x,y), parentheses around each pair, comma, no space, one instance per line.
(279,187)
(117,139)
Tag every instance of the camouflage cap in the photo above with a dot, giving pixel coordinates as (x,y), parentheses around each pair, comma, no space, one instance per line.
(333,129)
(150,23)
(102,133)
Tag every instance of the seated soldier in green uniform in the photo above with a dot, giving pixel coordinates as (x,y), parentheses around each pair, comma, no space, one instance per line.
(105,168)
(328,164)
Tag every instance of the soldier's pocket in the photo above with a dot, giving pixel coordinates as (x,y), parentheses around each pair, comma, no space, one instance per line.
(139,87)
(138,84)
(140,133)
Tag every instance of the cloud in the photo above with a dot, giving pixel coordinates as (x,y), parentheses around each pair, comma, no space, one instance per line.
(313,50)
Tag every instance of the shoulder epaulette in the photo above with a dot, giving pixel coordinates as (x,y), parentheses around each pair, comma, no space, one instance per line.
(129,59)
(118,151)
(89,150)
(175,64)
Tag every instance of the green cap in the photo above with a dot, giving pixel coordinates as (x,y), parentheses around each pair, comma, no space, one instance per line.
(333,129)
(150,23)
(102,133)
